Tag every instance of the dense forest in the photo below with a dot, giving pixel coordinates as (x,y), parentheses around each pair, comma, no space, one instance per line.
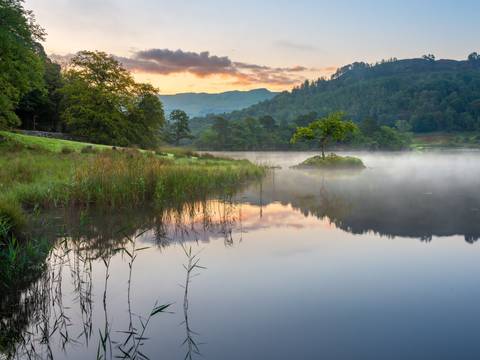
(430,94)
(387,98)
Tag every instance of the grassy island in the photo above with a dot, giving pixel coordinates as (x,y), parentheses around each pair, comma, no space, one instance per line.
(332,161)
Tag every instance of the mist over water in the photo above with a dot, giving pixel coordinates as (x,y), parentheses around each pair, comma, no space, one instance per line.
(399,194)
(374,264)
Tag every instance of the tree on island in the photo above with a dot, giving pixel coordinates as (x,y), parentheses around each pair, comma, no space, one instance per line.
(333,127)
(179,127)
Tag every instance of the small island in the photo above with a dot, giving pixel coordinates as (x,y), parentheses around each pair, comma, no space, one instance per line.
(333,127)
(332,161)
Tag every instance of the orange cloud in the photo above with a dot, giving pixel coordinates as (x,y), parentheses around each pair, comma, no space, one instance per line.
(203,64)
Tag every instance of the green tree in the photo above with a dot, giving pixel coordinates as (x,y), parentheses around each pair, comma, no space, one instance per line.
(102,103)
(221,127)
(21,68)
(146,116)
(403,126)
(333,127)
(387,138)
(179,126)
(268,123)
(39,109)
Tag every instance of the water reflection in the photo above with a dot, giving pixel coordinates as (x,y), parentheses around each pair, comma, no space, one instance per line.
(105,290)
(435,196)
(191,339)
(35,321)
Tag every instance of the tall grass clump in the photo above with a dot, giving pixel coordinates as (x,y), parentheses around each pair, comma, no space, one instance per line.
(12,220)
(117,178)
(131,178)
(21,262)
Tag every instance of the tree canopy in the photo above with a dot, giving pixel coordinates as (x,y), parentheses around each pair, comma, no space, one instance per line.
(179,128)
(21,69)
(333,127)
(102,103)
(431,95)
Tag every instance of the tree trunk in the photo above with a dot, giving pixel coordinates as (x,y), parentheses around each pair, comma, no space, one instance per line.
(323,149)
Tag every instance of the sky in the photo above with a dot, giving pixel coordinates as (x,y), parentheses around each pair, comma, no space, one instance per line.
(213,46)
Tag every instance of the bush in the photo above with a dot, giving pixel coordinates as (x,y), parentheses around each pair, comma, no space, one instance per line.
(89,149)
(66,150)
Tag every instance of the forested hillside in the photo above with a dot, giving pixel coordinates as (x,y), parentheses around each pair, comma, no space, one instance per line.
(431,95)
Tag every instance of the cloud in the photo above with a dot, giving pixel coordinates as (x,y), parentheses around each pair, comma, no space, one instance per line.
(164,61)
(203,64)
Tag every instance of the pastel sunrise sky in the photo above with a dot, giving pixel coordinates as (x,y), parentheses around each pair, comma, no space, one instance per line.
(214,46)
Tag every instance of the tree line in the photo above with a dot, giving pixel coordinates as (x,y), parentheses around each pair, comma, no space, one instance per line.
(265,133)
(93,98)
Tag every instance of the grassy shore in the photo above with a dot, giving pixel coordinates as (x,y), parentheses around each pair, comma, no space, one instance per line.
(37,173)
(442,140)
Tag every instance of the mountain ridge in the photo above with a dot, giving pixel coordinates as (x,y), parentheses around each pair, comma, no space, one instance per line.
(203,104)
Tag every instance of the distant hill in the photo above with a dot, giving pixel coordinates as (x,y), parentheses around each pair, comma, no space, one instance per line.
(442,95)
(203,104)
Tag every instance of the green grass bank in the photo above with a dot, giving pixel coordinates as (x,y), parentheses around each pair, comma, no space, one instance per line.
(38,173)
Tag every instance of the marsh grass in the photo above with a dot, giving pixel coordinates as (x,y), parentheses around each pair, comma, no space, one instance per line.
(39,178)
(24,260)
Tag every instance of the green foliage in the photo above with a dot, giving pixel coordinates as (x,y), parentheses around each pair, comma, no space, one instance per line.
(21,68)
(375,137)
(332,128)
(39,109)
(21,262)
(103,104)
(251,134)
(178,127)
(440,95)
(387,138)
(247,134)
(12,219)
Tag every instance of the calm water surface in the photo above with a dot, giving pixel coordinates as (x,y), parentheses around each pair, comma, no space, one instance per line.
(382,263)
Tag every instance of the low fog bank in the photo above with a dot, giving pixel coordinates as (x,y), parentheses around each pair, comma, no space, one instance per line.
(413,194)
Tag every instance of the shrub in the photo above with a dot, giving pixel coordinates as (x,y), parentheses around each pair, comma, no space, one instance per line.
(89,149)
(66,150)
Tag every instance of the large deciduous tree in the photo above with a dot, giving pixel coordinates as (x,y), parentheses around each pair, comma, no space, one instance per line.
(333,127)
(21,69)
(103,103)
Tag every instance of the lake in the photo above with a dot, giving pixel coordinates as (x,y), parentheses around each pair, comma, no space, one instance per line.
(381,263)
